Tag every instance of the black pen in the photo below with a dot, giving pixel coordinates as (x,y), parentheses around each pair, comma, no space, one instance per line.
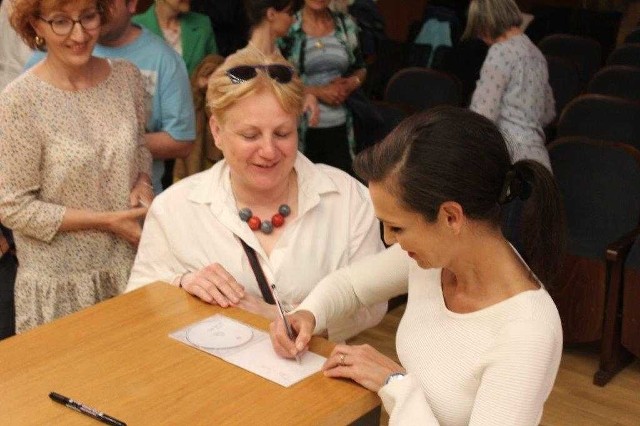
(91,412)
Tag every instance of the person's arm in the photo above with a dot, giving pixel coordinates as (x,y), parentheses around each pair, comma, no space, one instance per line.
(124,223)
(351,82)
(20,173)
(549,105)
(494,76)
(163,146)
(329,94)
(373,279)
(357,78)
(365,240)
(21,209)
(518,377)
(142,192)
(174,138)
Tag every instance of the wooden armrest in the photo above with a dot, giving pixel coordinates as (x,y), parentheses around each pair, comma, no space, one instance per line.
(617,251)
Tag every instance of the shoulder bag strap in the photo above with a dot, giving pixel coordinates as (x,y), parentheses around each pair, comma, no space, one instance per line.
(259,273)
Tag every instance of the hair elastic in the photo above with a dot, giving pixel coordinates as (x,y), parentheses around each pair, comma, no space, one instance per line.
(515,185)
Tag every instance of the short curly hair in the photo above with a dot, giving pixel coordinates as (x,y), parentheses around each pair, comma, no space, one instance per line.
(223,93)
(23,12)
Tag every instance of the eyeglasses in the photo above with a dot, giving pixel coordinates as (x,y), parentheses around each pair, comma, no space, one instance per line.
(63,25)
(278,72)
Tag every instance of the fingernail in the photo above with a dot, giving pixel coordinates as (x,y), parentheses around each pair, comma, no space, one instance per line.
(299,346)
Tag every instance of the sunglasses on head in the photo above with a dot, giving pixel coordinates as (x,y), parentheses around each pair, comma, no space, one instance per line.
(278,72)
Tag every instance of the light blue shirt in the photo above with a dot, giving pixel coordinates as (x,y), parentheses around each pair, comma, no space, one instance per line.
(170,105)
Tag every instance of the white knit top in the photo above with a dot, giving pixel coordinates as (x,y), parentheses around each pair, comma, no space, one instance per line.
(495,366)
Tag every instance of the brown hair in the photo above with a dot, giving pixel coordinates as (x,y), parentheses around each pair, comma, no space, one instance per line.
(454,154)
(256,10)
(491,18)
(223,93)
(23,12)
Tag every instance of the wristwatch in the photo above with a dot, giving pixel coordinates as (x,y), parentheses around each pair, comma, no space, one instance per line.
(393,377)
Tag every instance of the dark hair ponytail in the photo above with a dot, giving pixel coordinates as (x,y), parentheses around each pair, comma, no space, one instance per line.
(454,154)
(541,231)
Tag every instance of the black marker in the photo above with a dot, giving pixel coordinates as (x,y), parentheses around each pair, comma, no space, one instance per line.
(91,412)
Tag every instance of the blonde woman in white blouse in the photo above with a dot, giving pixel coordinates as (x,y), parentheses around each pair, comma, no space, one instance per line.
(480,340)
(302,220)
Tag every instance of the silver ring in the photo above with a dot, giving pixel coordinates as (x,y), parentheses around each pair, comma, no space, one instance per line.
(342,356)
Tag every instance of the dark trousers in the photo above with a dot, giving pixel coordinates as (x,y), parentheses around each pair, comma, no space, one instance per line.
(8,269)
(329,146)
(167,177)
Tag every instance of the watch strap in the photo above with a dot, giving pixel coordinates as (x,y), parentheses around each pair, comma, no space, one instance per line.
(393,377)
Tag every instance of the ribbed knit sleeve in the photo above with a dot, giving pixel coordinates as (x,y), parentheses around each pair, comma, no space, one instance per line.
(405,403)
(493,366)
(519,375)
(372,280)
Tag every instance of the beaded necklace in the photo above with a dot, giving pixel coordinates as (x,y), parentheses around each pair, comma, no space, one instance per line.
(265,226)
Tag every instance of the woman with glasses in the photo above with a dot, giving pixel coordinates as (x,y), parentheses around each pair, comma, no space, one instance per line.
(480,340)
(323,46)
(263,203)
(75,173)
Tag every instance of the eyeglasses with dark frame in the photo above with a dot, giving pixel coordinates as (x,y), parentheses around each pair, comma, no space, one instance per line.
(63,25)
(243,73)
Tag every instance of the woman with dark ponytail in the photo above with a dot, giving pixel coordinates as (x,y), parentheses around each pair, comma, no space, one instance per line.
(481,340)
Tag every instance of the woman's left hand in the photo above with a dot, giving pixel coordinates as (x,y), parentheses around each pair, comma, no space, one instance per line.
(362,364)
(141,194)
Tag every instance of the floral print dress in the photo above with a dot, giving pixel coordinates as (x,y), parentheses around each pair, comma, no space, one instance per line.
(69,149)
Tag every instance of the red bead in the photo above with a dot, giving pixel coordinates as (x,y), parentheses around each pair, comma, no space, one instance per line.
(254,223)
(277,220)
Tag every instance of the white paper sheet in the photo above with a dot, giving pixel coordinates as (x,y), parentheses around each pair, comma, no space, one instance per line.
(247,348)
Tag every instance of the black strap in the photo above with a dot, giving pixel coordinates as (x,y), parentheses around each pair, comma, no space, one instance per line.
(259,273)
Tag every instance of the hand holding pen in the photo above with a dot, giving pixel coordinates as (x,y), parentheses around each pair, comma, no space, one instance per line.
(300,322)
(290,334)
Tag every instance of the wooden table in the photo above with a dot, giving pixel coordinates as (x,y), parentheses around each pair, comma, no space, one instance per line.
(117,357)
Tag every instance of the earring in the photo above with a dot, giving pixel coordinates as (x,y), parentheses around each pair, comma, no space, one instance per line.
(39,41)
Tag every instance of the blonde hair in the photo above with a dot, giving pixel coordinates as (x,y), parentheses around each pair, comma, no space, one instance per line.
(491,18)
(23,12)
(222,93)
